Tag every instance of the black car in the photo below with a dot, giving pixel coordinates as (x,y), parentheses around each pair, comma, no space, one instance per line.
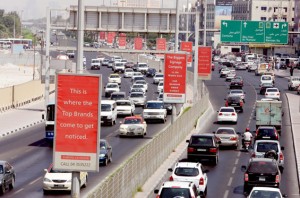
(7,177)
(264,86)
(203,147)
(235,101)
(266,133)
(105,152)
(236,83)
(228,64)
(150,72)
(263,172)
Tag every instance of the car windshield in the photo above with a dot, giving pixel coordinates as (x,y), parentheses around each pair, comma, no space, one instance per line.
(143,65)
(161,84)
(137,86)
(105,107)
(233,99)
(265,132)
(155,105)
(266,78)
(262,167)
(266,146)
(119,64)
(140,82)
(123,103)
(186,171)
(225,131)
(132,121)
(136,95)
(111,86)
(58,171)
(114,76)
(136,90)
(175,192)
(264,194)
(159,76)
(203,141)
(128,70)
(117,96)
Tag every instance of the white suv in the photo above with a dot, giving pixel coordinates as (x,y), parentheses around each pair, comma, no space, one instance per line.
(177,189)
(192,172)
(294,82)
(154,110)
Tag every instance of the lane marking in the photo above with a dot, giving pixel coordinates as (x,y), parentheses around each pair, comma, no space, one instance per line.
(226,194)
(229,182)
(236,161)
(233,170)
(35,180)
(239,154)
(18,191)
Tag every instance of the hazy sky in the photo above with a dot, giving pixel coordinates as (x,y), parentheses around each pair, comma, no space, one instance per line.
(31,9)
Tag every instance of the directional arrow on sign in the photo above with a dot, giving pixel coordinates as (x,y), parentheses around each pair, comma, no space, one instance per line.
(283,25)
(245,24)
(224,23)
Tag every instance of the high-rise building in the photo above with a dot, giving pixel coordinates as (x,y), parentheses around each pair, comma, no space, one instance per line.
(140,3)
(297,16)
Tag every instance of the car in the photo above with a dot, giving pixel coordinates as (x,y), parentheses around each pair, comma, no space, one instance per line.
(157,78)
(212,67)
(231,75)
(298,90)
(252,67)
(154,110)
(133,126)
(110,63)
(160,87)
(151,72)
(120,95)
(108,112)
(142,82)
(261,148)
(235,101)
(236,83)
(177,189)
(227,63)
(227,114)
(110,88)
(203,146)
(142,67)
(105,155)
(136,74)
(137,90)
(224,72)
(271,73)
(266,79)
(114,78)
(138,98)
(263,172)
(70,53)
(125,107)
(95,64)
(266,133)
(238,92)
(136,78)
(264,86)
(138,86)
(58,180)
(105,62)
(191,172)
(168,107)
(257,192)
(241,66)
(273,93)
(160,97)
(293,82)
(7,176)
(129,64)
(227,136)
(128,73)
(118,67)
(222,67)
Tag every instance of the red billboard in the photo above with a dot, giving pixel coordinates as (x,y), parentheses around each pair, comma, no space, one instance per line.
(102,35)
(187,47)
(110,38)
(204,63)
(161,44)
(122,42)
(77,123)
(175,78)
(138,43)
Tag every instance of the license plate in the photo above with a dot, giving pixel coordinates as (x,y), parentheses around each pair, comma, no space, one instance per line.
(201,149)
(266,137)
(262,179)
(236,84)
(59,185)
(233,104)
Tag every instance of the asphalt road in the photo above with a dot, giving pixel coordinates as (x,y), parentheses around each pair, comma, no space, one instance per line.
(29,153)
(226,179)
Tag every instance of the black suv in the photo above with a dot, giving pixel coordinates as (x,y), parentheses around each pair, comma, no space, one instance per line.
(266,133)
(203,146)
(235,101)
(262,172)
(150,72)
(236,83)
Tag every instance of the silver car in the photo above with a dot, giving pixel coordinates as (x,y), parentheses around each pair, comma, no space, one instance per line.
(238,92)
(228,136)
(138,98)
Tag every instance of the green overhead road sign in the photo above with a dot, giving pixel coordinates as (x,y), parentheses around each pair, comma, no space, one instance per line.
(254,32)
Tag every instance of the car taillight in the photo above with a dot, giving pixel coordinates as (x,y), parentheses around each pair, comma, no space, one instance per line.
(253,155)
(213,150)
(171,178)
(246,178)
(281,156)
(157,196)
(226,104)
(190,150)
(277,179)
(220,114)
(256,132)
(276,135)
(233,114)
(241,103)
(233,138)
(201,182)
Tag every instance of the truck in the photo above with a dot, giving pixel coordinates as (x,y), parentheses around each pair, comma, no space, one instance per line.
(269,113)
(262,68)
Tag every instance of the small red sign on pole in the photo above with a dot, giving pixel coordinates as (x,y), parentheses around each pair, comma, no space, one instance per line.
(175,78)
(77,122)
(161,44)
(187,47)
(102,35)
(204,63)
(110,38)
(122,42)
(138,43)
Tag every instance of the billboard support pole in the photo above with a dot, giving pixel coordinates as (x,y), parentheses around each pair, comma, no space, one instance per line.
(196,57)
(47,66)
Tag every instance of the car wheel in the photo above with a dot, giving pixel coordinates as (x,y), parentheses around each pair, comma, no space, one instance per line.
(105,162)
(12,184)
(2,189)
(46,192)
(205,193)
(246,188)
(215,162)
(242,110)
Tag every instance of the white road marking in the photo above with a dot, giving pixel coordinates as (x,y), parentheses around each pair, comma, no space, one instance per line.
(226,194)
(239,154)
(35,180)
(236,161)
(18,191)
(229,182)
(233,170)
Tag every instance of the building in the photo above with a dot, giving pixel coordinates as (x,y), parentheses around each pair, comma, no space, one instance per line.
(140,3)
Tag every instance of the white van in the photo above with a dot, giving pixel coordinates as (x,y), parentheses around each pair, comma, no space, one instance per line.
(116,58)
(108,112)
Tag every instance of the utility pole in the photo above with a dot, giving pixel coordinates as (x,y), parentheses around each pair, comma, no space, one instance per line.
(34,43)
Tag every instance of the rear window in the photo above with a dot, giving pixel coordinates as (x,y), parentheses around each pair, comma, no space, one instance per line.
(236,92)
(225,131)
(227,110)
(175,192)
(233,99)
(267,146)
(266,78)
(187,172)
(265,132)
(136,95)
(265,193)
(204,141)
(262,167)
(272,90)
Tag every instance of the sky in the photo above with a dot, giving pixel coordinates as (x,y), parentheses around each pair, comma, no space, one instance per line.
(33,9)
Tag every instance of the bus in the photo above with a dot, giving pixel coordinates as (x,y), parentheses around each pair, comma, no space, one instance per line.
(27,43)
(49,122)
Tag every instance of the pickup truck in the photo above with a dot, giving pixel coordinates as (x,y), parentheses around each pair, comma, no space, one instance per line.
(155,110)
(269,113)
(294,82)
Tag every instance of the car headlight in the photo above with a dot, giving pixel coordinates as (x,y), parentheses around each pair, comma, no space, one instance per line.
(102,155)
(139,129)
(47,180)
(122,128)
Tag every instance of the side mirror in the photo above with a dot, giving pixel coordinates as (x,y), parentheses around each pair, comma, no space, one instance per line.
(214,132)
(156,191)
(188,141)
(170,169)
(285,195)
(43,116)
(243,168)
(282,148)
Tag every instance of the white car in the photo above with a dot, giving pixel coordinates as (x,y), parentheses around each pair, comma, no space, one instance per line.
(265,192)
(125,107)
(224,72)
(136,74)
(138,98)
(266,79)
(273,93)
(294,82)
(238,92)
(56,180)
(110,88)
(177,189)
(231,75)
(142,82)
(139,86)
(142,67)
(227,114)
(157,78)
(118,67)
(114,78)
(190,172)
(128,73)
(155,110)
(133,126)
(160,87)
